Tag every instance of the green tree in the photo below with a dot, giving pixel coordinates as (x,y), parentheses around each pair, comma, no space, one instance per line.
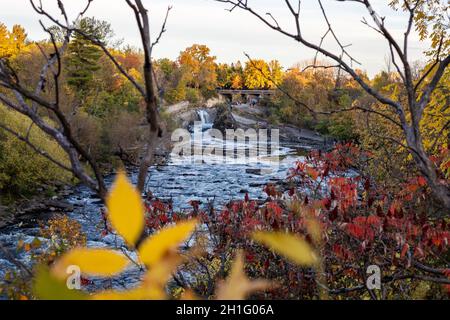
(224,75)
(83,57)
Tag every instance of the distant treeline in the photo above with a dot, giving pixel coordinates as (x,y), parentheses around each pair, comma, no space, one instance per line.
(106,112)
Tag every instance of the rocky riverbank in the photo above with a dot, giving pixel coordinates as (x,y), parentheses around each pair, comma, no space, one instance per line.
(244,116)
(26,211)
(42,206)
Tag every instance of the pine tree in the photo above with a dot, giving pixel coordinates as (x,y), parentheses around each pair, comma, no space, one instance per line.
(83,56)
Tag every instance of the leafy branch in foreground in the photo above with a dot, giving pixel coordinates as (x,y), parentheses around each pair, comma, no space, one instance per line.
(157,253)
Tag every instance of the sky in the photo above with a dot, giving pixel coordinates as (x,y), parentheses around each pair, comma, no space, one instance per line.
(230,34)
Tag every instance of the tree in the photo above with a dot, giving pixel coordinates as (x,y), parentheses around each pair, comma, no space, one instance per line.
(11,42)
(32,103)
(276,73)
(257,74)
(166,72)
(237,75)
(83,56)
(199,67)
(224,75)
(166,67)
(410,105)
(237,82)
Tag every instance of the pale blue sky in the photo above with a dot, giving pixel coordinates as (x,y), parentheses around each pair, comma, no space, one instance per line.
(230,34)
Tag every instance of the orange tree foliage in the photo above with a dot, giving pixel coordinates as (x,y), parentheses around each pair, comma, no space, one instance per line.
(11,42)
(199,67)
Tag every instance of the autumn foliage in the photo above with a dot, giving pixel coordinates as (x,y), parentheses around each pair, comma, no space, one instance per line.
(369,201)
(314,240)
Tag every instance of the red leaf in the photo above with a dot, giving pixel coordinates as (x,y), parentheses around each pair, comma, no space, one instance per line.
(380,212)
(404,250)
(355,230)
(367,184)
(291,192)
(312,173)
(326,203)
(421,181)
(276,209)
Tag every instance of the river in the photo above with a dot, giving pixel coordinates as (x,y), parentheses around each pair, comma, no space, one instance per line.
(179,181)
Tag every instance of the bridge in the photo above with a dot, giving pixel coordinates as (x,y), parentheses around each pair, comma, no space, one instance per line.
(248,94)
(253,92)
(245,92)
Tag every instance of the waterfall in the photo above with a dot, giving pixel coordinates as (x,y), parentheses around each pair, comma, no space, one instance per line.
(204,116)
(205,119)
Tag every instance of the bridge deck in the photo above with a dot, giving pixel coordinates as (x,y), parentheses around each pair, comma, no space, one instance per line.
(246,91)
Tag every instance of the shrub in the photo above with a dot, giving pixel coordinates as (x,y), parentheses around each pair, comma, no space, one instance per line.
(193,95)
(122,135)
(175,95)
(21,169)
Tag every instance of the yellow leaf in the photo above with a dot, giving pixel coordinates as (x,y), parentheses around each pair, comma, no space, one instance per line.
(314,229)
(153,284)
(288,245)
(135,294)
(125,209)
(160,273)
(154,248)
(238,286)
(94,262)
(47,287)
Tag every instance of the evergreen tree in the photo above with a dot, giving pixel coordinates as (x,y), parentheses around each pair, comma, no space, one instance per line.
(83,56)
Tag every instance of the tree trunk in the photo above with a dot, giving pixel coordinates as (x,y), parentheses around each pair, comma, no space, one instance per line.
(427,168)
(147,160)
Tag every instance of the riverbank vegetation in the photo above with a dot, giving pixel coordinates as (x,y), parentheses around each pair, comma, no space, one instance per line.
(80,104)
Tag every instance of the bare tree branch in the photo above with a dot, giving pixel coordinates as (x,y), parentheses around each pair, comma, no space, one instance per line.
(94,41)
(151,100)
(413,108)
(163,28)
(43,153)
(148,92)
(313,112)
